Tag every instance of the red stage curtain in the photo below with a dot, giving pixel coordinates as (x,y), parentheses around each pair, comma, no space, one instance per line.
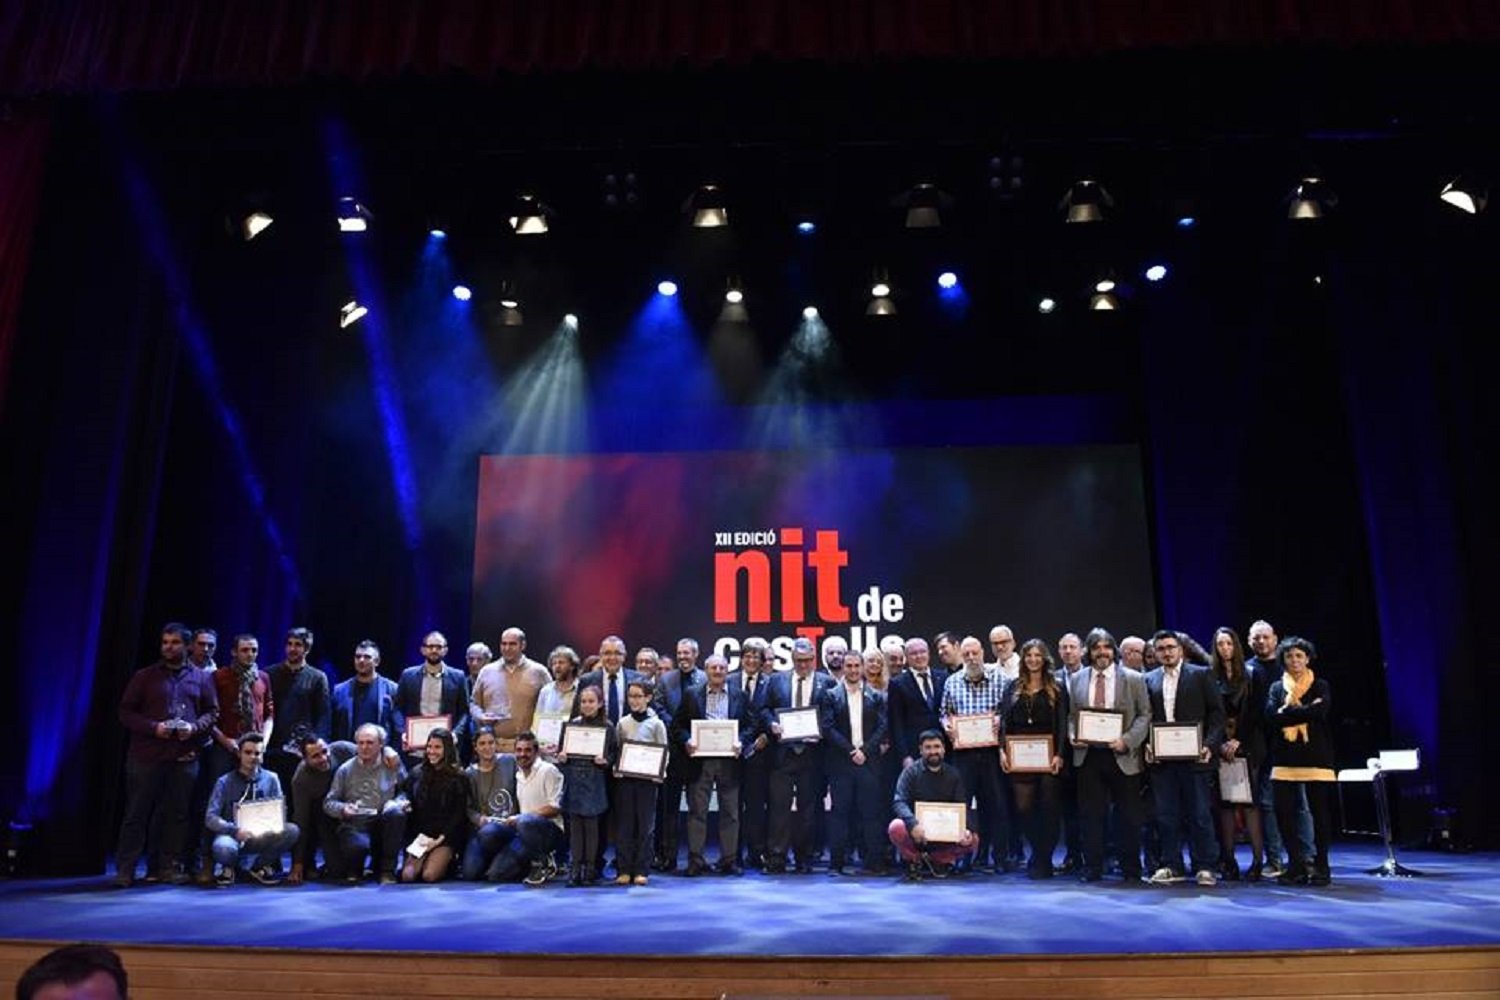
(23,148)
(81,45)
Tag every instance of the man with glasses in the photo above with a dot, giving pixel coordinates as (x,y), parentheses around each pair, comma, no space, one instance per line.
(431,688)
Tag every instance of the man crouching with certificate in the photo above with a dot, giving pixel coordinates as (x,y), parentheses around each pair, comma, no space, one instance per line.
(931,830)
(247,815)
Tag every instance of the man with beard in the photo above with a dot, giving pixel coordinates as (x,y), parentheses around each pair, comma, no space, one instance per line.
(431,688)
(928,779)
(977,690)
(1109,773)
(168,708)
(245,706)
(303,704)
(309,787)
(668,702)
(364,698)
(505,693)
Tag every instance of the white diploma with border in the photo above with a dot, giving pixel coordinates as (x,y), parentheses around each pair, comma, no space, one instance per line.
(798,724)
(1030,754)
(418,848)
(1100,725)
(583,741)
(419,727)
(942,822)
(971,731)
(259,817)
(1176,740)
(549,729)
(1234,781)
(641,759)
(716,737)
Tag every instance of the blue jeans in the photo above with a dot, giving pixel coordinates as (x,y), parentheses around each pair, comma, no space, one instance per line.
(382,841)
(530,838)
(1275,846)
(267,848)
(1181,798)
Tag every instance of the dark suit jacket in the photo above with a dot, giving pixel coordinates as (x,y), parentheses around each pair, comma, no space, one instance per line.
(1198,700)
(454,701)
(838,731)
(669,691)
(779,696)
(695,706)
(910,714)
(341,703)
(595,678)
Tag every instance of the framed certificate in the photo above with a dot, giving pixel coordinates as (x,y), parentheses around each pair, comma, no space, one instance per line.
(639,759)
(1099,725)
(419,727)
(259,817)
(1176,740)
(1234,781)
(716,737)
(943,822)
(971,731)
(549,729)
(1029,754)
(419,847)
(798,724)
(583,741)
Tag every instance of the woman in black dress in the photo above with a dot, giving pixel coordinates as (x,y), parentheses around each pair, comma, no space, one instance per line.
(439,796)
(1244,697)
(1034,704)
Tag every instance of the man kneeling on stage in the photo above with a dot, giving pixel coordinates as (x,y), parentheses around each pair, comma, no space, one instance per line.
(928,780)
(524,841)
(367,800)
(247,815)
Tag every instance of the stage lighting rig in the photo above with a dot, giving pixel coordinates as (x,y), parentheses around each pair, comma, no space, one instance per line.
(925,204)
(529,216)
(1086,201)
(1312,198)
(1466,193)
(708,206)
(353,217)
(351,312)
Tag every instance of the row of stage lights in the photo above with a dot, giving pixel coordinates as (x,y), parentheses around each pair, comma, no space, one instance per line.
(1101,299)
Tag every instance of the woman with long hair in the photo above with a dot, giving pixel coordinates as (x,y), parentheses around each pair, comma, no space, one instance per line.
(1034,704)
(1301,742)
(1244,739)
(439,797)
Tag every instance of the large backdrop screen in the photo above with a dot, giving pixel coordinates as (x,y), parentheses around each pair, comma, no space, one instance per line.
(863,544)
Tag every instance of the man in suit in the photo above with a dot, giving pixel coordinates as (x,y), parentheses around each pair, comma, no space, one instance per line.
(853,722)
(796,774)
(716,698)
(364,698)
(1184,693)
(1109,772)
(431,688)
(915,698)
(754,679)
(667,701)
(612,678)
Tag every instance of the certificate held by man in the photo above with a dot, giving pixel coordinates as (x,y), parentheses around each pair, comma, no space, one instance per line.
(716,737)
(970,731)
(259,817)
(942,822)
(1100,726)
(1177,741)
(419,727)
(583,741)
(798,725)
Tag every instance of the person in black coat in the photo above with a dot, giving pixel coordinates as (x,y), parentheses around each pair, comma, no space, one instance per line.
(1301,740)
(1244,693)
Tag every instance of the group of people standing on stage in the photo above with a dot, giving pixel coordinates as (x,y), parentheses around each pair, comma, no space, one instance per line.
(474,772)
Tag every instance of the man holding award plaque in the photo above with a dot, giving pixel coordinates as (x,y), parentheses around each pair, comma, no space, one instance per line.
(715,728)
(430,695)
(791,717)
(1188,731)
(971,717)
(1109,718)
(930,796)
(247,815)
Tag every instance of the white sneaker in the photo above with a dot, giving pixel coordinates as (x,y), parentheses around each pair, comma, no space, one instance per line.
(1207,878)
(1162,876)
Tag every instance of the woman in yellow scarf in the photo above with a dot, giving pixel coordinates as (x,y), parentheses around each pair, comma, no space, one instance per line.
(1301,751)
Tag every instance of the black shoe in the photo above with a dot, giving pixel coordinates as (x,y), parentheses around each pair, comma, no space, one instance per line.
(1090,875)
(179,877)
(1038,872)
(729,868)
(838,868)
(878,870)
(1319,876)
(695,867)
(1294,875)
(1070,864)
(775,866)
(804,868)
(914,872)
(1230,871)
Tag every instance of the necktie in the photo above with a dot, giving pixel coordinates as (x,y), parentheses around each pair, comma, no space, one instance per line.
(614,699)
(1099,701)
(926,687)
(800,681)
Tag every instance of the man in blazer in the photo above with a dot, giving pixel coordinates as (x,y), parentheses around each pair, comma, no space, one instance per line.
(670,687)
(716,698)
(1109,773)
(796,771)
(853,721)
(432,688)
(915,701)
(1184,693)
(754,679)
(365,697)
(612,679)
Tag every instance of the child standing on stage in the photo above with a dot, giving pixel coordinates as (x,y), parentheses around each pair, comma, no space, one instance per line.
(635,798)
(585,788)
